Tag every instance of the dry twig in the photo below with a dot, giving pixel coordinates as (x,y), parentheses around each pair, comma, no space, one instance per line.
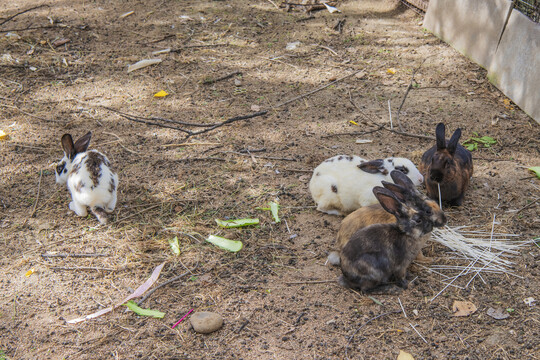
(22,12)
(83,268)
(225,77)
(407,93)
(73,255)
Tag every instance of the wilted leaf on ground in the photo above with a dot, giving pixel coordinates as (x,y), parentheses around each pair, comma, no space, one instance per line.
(160,94)
(473,143)
(143,63)
(536,170)
(498,313)
(175,247)
(404,356)
(138,292)
(3,135)
(226,244)
(236,223)
(132,305)
(29,272)
(274,208)
(463,308)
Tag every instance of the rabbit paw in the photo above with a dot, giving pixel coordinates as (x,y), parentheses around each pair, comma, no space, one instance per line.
(78,209)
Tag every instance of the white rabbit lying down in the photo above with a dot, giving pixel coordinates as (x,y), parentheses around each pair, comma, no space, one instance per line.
(344,183)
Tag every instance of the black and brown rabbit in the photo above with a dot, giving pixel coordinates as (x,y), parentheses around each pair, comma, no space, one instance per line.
(406,192)
(381,253)
(449,165)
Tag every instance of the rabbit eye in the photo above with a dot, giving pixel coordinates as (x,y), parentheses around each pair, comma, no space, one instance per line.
(403,169)
(60,168)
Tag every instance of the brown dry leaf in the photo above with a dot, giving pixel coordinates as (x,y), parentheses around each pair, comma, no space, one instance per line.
(463,308)
(404,356)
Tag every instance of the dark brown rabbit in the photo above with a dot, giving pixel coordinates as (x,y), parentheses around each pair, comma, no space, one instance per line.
(448,164)
(406,192)
(381,253)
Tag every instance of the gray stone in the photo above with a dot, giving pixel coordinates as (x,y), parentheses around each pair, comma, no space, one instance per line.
(205,322)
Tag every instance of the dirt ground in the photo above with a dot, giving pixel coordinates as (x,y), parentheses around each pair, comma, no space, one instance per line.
(278,298)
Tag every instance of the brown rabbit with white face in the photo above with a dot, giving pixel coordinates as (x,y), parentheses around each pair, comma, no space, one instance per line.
(406,192)
(381,253)
(449,165)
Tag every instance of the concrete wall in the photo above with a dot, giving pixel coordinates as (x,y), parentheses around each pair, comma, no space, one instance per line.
(474,28)
(515,68)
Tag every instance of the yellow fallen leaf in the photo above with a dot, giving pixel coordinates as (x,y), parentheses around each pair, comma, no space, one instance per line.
(404,356)
(354,122)
(161,94)
(3,135)
(463,308)
(391,71)
(506,101)
(29,272)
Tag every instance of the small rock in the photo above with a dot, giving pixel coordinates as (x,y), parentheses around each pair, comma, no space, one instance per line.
(498,313)
(205,322)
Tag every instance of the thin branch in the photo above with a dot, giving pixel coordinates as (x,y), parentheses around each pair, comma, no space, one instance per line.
(407,92)
(316,90)
(203,159)
(311,282)
(30,28)
(229,121)
(73,255)
(83,268)
(228,76)
(257,156)
(209,127)
(22,12)
(354,133)
(197,46)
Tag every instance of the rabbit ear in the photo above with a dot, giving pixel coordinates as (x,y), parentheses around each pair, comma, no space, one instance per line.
(374,167)
(452,144)
(67,145)
(388,200)
(82,144)
(439,134)
(400,178)
(399,191)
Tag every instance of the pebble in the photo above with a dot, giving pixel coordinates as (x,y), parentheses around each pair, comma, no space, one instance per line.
(205,322)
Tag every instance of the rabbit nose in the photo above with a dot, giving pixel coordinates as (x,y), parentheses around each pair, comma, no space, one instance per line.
(436,176)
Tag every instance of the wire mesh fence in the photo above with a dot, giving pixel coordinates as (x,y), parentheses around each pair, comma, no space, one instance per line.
(531,8)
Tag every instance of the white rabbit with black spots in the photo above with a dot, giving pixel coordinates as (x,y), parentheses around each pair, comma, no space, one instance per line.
(89,178)
(344,183)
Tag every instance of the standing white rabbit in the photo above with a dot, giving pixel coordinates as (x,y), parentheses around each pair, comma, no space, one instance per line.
(89,178)
(343,183)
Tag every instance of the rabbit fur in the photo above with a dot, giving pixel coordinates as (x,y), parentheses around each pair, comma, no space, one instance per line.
(89,178)
(343,183)
(405,190)
(449,165)
(381,253)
